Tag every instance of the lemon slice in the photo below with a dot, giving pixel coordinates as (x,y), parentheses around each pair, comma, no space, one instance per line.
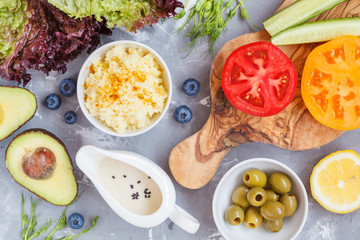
(335,182)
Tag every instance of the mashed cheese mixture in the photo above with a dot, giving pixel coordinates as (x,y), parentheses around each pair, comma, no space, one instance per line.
(125,89)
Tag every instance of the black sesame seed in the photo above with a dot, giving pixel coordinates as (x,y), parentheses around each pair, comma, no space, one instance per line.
(124,176)
(138,182)
(113,177)
(149,177)
(132,186)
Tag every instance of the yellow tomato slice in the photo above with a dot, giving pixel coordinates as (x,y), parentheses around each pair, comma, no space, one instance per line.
(330,84)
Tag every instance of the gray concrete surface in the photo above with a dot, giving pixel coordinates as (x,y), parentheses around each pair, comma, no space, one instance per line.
(157,144)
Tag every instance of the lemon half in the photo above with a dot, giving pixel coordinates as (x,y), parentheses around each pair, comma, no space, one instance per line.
(335,182)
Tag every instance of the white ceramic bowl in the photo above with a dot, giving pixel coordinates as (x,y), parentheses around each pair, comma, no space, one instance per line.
(233,178)
(84,73)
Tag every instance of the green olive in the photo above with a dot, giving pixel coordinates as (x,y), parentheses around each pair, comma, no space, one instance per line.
(256,196)
(280,183)
(273,226)
(234,215)
(255,178)
(272,210)
(239,196)
(290,203)
(253,218)
(271,195)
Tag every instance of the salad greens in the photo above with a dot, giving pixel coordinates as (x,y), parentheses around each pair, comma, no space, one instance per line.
(131,14)
(13,18)
(207,16)
(28,226)
(35,34)
(46,34)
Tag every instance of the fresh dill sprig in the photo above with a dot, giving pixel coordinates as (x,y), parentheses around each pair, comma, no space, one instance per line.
(207,18)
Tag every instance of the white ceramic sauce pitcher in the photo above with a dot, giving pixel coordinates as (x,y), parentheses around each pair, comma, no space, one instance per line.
(88,159)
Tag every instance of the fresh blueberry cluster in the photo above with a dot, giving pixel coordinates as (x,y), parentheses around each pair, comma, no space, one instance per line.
(53,101)
(183,114)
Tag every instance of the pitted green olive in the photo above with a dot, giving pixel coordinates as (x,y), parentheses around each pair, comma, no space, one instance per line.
(256,196)
(272,210)
(234,215)
(239,196)
(271,195)
(273,226)
(290,203)
(253,218)
(280,183)
(255,178)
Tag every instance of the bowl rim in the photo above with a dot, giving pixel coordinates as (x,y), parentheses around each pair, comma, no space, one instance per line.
(82,77)
(272,161)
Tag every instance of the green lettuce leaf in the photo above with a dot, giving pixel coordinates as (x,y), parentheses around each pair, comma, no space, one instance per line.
(13,17)
(131,14)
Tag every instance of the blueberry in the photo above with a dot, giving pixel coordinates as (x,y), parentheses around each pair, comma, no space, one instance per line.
(67,87)
(191,86)
(183,114)
(76,221)
(53,101)
(70,117)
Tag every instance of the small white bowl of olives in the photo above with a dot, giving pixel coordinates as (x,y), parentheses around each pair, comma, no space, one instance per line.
(260,198)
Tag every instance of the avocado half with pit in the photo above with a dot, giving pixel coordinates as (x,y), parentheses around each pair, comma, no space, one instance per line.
(39,161)
(17,106)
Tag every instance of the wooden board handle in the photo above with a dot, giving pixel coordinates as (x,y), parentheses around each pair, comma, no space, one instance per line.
(194,161)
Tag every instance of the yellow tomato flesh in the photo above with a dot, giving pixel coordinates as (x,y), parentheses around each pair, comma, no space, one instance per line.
(330,83)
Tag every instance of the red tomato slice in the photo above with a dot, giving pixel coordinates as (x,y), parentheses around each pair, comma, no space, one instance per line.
(259,79)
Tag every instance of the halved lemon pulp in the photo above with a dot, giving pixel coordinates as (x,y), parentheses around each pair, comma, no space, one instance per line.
(335,182)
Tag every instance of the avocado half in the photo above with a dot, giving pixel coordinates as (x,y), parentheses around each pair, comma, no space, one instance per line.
(39,162)
(17,106)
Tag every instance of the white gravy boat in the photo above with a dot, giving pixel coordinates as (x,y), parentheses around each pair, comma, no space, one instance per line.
(89,158)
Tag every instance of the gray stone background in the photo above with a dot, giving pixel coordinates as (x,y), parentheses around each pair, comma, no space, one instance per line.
(157,144)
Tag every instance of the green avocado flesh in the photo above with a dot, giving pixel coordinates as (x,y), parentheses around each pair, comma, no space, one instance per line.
(39,161)
(17,106)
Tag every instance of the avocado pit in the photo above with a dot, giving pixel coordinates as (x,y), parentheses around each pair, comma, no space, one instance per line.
(39,164)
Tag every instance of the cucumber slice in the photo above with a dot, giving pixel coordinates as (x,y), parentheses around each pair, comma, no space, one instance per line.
(297,13)
(320,31)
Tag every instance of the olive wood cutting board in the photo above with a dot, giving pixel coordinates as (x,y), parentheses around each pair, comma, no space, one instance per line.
(194,161)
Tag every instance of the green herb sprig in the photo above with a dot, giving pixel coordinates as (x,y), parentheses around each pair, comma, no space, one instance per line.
(28,231)
(61,223)
(207,16)
(83,232)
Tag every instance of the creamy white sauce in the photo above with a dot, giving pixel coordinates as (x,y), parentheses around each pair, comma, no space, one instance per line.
(132,188)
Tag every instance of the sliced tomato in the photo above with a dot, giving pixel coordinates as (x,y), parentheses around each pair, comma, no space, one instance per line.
(330,84)
(259,79)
